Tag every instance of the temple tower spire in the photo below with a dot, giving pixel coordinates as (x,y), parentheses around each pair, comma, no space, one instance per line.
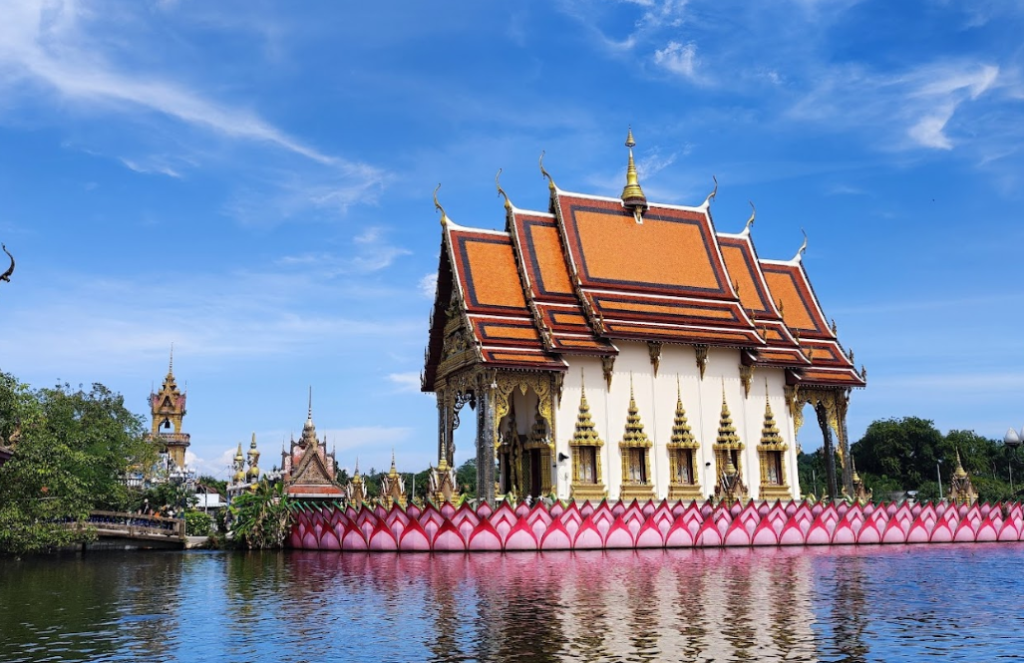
(632,195)
(167,407)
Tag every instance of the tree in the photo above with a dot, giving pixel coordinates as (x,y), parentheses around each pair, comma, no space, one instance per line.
(465,476)
(260,518)
(72,453)
(900,450)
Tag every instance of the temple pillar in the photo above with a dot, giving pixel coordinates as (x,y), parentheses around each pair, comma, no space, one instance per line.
(485,442)
(827,448)
(442,425)
(449,426)
(842,401)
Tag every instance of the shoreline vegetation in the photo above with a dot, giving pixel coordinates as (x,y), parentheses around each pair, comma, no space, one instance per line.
(73,447)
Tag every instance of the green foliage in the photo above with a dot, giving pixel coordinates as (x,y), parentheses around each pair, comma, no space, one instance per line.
(73,451)
(900,455)
(198,523)
(465,476)
(217,484)
(165,496)
(259,519)
(813,475)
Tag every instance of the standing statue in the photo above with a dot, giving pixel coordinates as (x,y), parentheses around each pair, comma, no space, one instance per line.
(6,276)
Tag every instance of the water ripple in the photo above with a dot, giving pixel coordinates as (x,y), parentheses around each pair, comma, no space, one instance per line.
(902,603)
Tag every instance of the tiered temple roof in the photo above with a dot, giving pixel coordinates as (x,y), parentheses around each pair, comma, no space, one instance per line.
(593,270)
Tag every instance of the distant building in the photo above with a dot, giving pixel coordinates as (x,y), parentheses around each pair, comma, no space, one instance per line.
(167,407)
(307,469)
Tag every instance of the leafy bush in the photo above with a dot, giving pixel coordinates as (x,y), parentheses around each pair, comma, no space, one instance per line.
(260,519)
(197,523)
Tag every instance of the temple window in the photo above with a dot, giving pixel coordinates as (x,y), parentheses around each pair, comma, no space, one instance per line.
(586,464)
(683,467)
(637,466)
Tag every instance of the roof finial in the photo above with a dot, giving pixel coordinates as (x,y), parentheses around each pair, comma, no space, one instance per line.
(632,194)
(392,459)
(753,214)
(309,414)
(803,247)
(711,196)
(501,192)
(170,364)
(437,206)
(551,181)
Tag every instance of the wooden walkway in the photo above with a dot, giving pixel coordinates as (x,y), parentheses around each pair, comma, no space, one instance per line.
(129,530)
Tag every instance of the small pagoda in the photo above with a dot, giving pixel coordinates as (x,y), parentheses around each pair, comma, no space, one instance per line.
(961,490)
(392,487)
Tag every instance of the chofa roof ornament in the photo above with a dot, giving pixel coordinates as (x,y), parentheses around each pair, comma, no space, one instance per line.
(437,206)
(6,276)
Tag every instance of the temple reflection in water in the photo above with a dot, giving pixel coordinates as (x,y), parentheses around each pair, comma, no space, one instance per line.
(641,605)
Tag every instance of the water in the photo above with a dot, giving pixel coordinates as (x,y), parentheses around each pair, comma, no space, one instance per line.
(905,603)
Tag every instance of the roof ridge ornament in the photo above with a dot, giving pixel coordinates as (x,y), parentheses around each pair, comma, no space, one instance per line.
(711,196)
(803,248)
(546,174)
(501,192)
(437,206)
(750,221)
(632,195)
(6,276)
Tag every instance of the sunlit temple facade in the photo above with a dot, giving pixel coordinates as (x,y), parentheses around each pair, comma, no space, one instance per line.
(626,349)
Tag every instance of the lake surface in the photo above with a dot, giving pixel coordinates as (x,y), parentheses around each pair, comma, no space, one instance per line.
(886,603)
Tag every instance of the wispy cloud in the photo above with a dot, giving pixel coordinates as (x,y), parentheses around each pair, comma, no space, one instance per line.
(406,381)
(677,58)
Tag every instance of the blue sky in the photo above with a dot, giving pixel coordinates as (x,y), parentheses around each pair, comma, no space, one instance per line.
(251,181)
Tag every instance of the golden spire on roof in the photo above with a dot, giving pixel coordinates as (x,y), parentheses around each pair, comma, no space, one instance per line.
(632,194)
(501,192)
(753,215)
(437,206)
(170,364)
(960,471)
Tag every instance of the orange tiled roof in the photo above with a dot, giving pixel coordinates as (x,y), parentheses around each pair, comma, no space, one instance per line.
(549,285)
(570,282)
(667,271)
(791,288)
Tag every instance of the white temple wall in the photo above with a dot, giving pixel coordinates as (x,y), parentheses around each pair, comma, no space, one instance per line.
(656,402)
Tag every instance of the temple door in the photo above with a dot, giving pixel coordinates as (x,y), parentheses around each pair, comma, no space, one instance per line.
(536,489)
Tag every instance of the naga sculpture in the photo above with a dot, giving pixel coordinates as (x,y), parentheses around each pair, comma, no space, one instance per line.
(6,276)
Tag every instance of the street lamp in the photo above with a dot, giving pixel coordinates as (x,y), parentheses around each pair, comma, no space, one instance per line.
(1012,439)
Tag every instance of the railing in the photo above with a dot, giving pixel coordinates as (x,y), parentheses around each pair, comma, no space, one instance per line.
(136,526)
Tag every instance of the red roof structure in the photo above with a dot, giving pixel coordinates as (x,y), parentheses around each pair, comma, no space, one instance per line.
(594,270)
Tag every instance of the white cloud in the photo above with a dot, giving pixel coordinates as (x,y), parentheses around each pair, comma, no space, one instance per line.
(428,285)
(678,58)
(929,131)
(159,169)
(409,382)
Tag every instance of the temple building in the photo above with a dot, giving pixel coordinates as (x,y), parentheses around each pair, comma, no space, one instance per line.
(307,470)
(168,409)
(608,347)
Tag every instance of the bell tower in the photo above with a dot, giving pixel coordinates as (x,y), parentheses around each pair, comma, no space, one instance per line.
(168,409)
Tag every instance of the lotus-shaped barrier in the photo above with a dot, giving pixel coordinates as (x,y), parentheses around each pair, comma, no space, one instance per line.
(650,524)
